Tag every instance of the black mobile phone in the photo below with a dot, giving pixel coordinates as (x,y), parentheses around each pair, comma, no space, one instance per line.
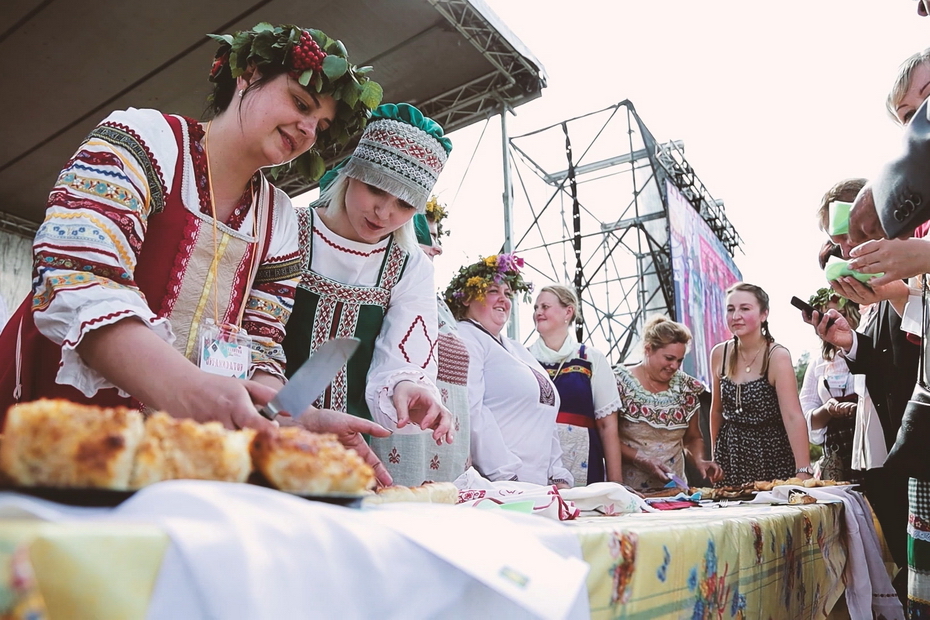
(808,310)
(803,306)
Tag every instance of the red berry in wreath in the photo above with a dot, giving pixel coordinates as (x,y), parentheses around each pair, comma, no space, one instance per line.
(307,54)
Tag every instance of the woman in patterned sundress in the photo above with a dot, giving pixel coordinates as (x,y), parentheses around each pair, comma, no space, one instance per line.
(658,403)
(757,429)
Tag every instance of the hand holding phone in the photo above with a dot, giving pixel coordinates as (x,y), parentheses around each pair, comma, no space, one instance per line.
(808,310)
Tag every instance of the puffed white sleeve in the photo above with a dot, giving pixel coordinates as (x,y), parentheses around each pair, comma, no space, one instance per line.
(87,249)
(811,400)
(489,452)
(405,349)
(603,384)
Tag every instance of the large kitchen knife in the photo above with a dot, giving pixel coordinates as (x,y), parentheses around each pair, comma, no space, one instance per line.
(311,379)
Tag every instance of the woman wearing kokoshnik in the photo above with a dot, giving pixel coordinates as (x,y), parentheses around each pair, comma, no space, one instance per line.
(362,275)
(160,224)
(415,459)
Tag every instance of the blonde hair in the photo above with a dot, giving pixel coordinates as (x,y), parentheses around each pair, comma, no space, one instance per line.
(903,80)
(334,199)
(565,295)
(661,331)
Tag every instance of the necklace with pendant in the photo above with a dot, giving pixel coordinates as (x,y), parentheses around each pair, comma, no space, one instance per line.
(755,357)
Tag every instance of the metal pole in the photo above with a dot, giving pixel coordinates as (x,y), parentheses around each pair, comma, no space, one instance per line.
(513,326)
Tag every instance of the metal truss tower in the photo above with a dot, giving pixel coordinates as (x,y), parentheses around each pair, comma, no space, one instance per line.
(590,194)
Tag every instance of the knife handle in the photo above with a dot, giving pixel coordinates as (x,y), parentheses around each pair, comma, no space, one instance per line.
(267,413)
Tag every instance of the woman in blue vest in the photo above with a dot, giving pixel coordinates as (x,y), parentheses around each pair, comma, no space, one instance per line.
(586,422)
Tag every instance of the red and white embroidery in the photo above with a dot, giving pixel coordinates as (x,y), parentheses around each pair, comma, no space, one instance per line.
(453,360)
(417,339)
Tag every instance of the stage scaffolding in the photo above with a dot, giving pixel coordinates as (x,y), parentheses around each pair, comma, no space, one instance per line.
(589,194)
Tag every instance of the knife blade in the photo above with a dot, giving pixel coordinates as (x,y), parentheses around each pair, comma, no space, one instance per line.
(681,484)
(311,378)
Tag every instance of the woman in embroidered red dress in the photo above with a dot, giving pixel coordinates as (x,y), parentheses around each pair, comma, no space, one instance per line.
(160,222)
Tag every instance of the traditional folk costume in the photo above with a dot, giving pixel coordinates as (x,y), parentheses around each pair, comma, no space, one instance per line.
(513,407)
(655,424)
(414,459)
(380,293)
(587,392)
(128,233)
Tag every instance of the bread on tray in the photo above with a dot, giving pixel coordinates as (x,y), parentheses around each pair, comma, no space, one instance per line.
(428,492)
(178,448)
(298,461)
(57,443)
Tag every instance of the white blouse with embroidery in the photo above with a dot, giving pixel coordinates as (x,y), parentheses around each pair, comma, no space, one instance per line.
(89,245)
(513,406)
(404,350)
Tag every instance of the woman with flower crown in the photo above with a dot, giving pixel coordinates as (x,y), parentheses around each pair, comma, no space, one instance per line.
(513,402)
(163,242)
(363,276)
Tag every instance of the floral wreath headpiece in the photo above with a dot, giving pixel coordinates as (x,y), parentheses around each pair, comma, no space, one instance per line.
(316,62)
(436,212)
(472,282)
(825,295)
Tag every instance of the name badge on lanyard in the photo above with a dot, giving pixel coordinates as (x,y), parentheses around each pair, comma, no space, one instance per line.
(225,350)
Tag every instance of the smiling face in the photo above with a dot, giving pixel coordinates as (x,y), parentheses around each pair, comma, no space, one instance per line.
(370,214)
(918,88)
(662,363)
(744,316)
(278,119)
(550,315)
(494,310)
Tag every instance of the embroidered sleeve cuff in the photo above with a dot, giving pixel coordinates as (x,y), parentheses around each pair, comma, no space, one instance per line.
(608,409)
(73,370)
(383,410)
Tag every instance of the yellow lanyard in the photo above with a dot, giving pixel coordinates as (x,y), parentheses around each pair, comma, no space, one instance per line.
(213,264)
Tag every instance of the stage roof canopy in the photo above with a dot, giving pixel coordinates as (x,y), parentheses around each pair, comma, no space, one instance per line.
(70,63)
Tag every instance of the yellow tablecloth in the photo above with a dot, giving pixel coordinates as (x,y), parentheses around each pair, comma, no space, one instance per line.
(77,570)
(736,562)
(744,561)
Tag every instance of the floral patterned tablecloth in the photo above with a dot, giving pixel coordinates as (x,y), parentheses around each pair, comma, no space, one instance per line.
(743,561)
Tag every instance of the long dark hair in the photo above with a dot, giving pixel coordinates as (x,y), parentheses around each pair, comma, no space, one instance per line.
(763,298)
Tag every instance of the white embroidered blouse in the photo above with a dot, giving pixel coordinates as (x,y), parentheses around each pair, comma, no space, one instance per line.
(404,350)
(513,406)
(88,247)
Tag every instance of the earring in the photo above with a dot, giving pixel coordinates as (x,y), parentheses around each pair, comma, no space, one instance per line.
(241,92)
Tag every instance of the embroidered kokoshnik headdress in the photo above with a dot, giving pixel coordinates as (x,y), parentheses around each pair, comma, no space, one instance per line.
(400,152)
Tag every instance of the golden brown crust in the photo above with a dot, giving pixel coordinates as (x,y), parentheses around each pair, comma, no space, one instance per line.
(801,498)
(428,492)
(298,461)
(62,444)
(175,448)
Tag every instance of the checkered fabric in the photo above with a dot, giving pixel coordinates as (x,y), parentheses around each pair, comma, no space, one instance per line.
(918,549)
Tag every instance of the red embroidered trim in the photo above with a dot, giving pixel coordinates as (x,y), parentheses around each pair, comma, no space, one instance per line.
(317,232)
(94,321)
(406,337)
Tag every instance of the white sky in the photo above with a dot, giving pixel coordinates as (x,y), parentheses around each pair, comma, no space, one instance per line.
(775,102)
